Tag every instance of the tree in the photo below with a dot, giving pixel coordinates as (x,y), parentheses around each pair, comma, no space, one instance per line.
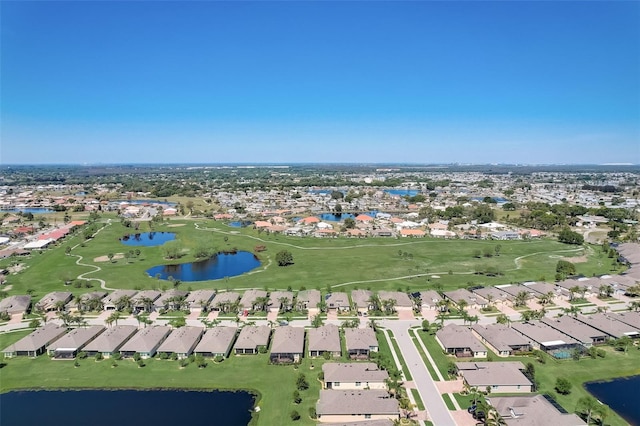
(568,236)
(301,382)
(563,386)
(588,405)
(284,258)
(296,397)
(294,415)
(316,321)
(565,269)
(426,326)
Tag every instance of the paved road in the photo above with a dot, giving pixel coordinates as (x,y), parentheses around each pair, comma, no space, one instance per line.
(438,412)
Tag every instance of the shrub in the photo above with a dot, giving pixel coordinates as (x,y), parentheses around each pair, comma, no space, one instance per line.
(312,413)
(218,358)
(296,397)
(163,355)
(601,353)
(141,363)
(184,362)
(82,355)
(563,386)
(136,357)
(301,382)
(294,415)
(99,357)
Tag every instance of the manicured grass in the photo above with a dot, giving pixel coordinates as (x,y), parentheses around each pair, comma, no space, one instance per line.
(427,364)
(418,399)
(466,401)
(274,384)
(441,360)
(341,263)
(448,402)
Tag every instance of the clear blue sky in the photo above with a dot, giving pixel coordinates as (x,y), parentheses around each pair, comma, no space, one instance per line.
(419,82)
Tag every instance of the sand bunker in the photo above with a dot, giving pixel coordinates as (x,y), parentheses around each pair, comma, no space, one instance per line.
(106,258)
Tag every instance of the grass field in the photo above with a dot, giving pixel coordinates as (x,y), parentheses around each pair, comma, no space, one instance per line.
(341,263)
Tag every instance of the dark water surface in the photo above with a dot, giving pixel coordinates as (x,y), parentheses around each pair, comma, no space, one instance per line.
(219,266)
(126,407)
(621,395)
(147,239)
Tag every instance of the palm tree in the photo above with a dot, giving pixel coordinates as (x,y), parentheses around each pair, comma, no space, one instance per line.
(494,418)
(462,305)
(123,303)
(374,303)
(59,305)
(114,317)
(322,306)
(573,310)
(503,319)
(389,306)
(285,304)
(521,298)
(588,405)
(261,303)
(65,317)
(572,291)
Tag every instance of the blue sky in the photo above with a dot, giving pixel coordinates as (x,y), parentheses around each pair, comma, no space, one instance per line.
(419,82)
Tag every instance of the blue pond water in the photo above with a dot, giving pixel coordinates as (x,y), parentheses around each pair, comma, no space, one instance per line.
(138,202)
(496,199)
(33,210)
(147,239)
(239,224)
(337,217)
(621,395)
(108,408)
(401,192)
(219,266)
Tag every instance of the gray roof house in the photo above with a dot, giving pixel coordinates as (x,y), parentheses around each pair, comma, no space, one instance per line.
(110,300)
(277,297)
(216,341)
(501,377)
(182,341)
(308,299)
(252,338)
(460,341)
(15,304)
(198,300)
(35,342)
(493,294)
(353,375)
(70,344)
(287,345)
(87,298)
(224,301)
(631,318)
(144,300)
(403,302)
(430,299)
(501,339)
(169,299)
(534,410)
(356,405)
(610,324)
(248,300)
(324,339)
(50,301)
(547,338)
(145,342)
(360,342)
(337,301)
(473,300)
(360,300)
(110,341)
(580,331)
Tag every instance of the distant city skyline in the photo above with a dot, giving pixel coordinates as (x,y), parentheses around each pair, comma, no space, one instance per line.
(320,82)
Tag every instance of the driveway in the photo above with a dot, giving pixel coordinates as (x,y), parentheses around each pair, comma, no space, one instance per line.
(438,411)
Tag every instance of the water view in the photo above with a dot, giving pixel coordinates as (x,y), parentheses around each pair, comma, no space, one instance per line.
(621,395)
(239,223)
(147,239)
(143,202)
(402,192)
(219,266)
(33,210)
(108,408)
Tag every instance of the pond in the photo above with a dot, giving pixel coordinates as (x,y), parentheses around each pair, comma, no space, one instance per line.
(114,407)
(240,224)
(219,266)
(32,210)
(144,202)
(621,395)
(148,239)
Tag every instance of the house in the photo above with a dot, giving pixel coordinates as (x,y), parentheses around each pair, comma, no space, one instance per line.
(501,377)
(171,300)
(630,318)
(337,301)
(473,301)
(493,294)
(360,342)
(225,301)
(110,341)
(429,300)
(308,299)
(361,300)
(460,341)
(253,300)
(546,338)
(145,342)
(287,345)
(252,338)
(578,330)
(35,342)
(534,410)
(415,233)
(353,375)
(110,302)
(280,300)
(182,341)
(501,339)
(198,301)
(610,324)
(325,339)
(216,341)
(68,346)
(402,300)
(144,300)
(14,305)
(356,405)
(53,301)
(505,235)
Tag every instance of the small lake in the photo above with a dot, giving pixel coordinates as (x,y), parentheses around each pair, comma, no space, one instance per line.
(619,394)
(143,202)
(109,408)
(148,239)
(496,199)
(219,266)
(402,192)
(32,210)
(335,217)
(240,224)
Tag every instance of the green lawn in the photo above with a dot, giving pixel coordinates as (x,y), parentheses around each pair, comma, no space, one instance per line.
(441,360)
(246,372)
(418,399)
(396,348)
